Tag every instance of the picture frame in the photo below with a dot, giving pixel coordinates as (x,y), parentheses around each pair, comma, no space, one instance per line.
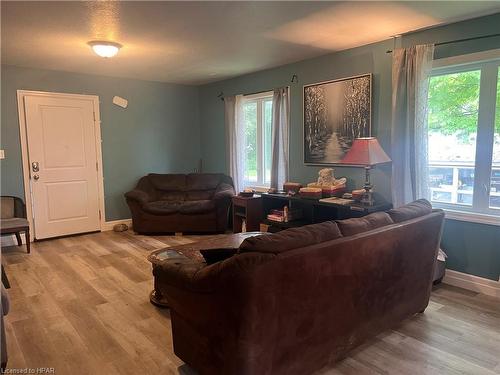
(335,112)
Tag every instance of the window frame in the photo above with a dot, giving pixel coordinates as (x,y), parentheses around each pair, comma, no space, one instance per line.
(489,64)
(259,99)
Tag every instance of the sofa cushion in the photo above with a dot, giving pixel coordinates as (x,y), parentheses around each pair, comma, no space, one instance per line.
(354,226)
(168,182)
(197,195)
(202,181)
(166,195)
(409,211)
(196,207)
(162,207)
(292,238)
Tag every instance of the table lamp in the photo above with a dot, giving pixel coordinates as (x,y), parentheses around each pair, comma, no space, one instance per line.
(366,152)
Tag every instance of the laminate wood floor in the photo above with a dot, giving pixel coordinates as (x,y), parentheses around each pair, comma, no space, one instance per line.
(80,305)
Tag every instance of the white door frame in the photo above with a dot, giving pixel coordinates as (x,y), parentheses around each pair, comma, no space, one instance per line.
(25,155)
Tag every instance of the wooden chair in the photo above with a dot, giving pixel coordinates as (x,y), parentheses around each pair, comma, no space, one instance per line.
(13,219)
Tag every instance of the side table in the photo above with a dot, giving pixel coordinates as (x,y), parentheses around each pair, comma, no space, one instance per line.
(248,209)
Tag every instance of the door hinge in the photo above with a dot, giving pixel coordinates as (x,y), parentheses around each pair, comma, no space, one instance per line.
(96,166)
(99,214)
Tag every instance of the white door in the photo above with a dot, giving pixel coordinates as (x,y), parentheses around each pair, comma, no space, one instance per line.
(63,165)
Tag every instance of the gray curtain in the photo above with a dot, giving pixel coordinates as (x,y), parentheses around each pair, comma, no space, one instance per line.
(410,83)
(280,129)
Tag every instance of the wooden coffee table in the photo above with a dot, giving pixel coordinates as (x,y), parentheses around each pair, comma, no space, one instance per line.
(192,251)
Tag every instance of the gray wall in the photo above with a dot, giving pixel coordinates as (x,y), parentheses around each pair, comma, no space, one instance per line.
(479,254)
(158,132)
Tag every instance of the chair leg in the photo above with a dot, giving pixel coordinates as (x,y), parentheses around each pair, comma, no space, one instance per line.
(28,243)
(18,237)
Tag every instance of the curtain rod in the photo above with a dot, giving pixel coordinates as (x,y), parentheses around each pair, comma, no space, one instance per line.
(294,79)
(257,92)
(460,40)
(221,94)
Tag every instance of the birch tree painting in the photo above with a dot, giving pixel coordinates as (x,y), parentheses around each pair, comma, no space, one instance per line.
(335,113)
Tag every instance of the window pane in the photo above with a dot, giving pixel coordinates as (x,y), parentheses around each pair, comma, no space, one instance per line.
(465,185)
(268,116)
(441,183)
(495,171)
(250,114)
(452,120)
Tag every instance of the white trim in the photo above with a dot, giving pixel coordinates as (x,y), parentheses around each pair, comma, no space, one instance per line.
(471,282)
(472,217)
(488,64)
(108,225)
(7,240)
(258,99)
(469,58)
(25,157)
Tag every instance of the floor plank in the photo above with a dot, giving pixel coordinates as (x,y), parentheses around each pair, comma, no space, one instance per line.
(80,304)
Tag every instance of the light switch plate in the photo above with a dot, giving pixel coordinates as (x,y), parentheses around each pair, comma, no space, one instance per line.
(119,101)
(2,154)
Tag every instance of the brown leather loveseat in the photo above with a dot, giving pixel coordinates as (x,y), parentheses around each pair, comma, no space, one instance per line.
(166,203)
(298,300)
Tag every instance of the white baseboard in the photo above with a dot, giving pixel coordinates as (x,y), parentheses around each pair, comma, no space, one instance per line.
(7,240)
(471,282)
(108,225)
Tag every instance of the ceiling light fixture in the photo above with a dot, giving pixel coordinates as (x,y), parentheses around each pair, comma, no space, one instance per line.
(105,49)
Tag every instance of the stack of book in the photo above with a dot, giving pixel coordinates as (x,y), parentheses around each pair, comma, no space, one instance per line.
(285,215)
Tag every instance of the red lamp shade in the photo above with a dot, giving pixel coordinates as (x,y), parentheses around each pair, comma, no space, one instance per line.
(367,152)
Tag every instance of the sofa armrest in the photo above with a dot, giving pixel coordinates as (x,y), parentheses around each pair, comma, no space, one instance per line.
(138,195)
(186,274)
(224,192)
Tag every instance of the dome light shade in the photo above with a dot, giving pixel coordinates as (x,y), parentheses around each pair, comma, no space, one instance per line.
(105,49)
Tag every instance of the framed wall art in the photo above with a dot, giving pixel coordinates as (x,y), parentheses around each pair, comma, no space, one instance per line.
(335,113)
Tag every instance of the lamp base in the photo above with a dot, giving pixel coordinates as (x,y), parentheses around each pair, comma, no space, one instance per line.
(367,198)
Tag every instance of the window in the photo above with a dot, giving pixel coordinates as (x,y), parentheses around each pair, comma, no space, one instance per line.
(464,137)
(258,112)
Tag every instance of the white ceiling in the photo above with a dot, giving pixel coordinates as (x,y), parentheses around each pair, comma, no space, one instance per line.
(200,42)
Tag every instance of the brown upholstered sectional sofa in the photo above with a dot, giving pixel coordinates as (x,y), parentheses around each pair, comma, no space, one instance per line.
(298,300)
(166,203)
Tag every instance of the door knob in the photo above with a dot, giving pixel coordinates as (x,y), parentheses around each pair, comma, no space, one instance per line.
(35,166)
(36,177)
